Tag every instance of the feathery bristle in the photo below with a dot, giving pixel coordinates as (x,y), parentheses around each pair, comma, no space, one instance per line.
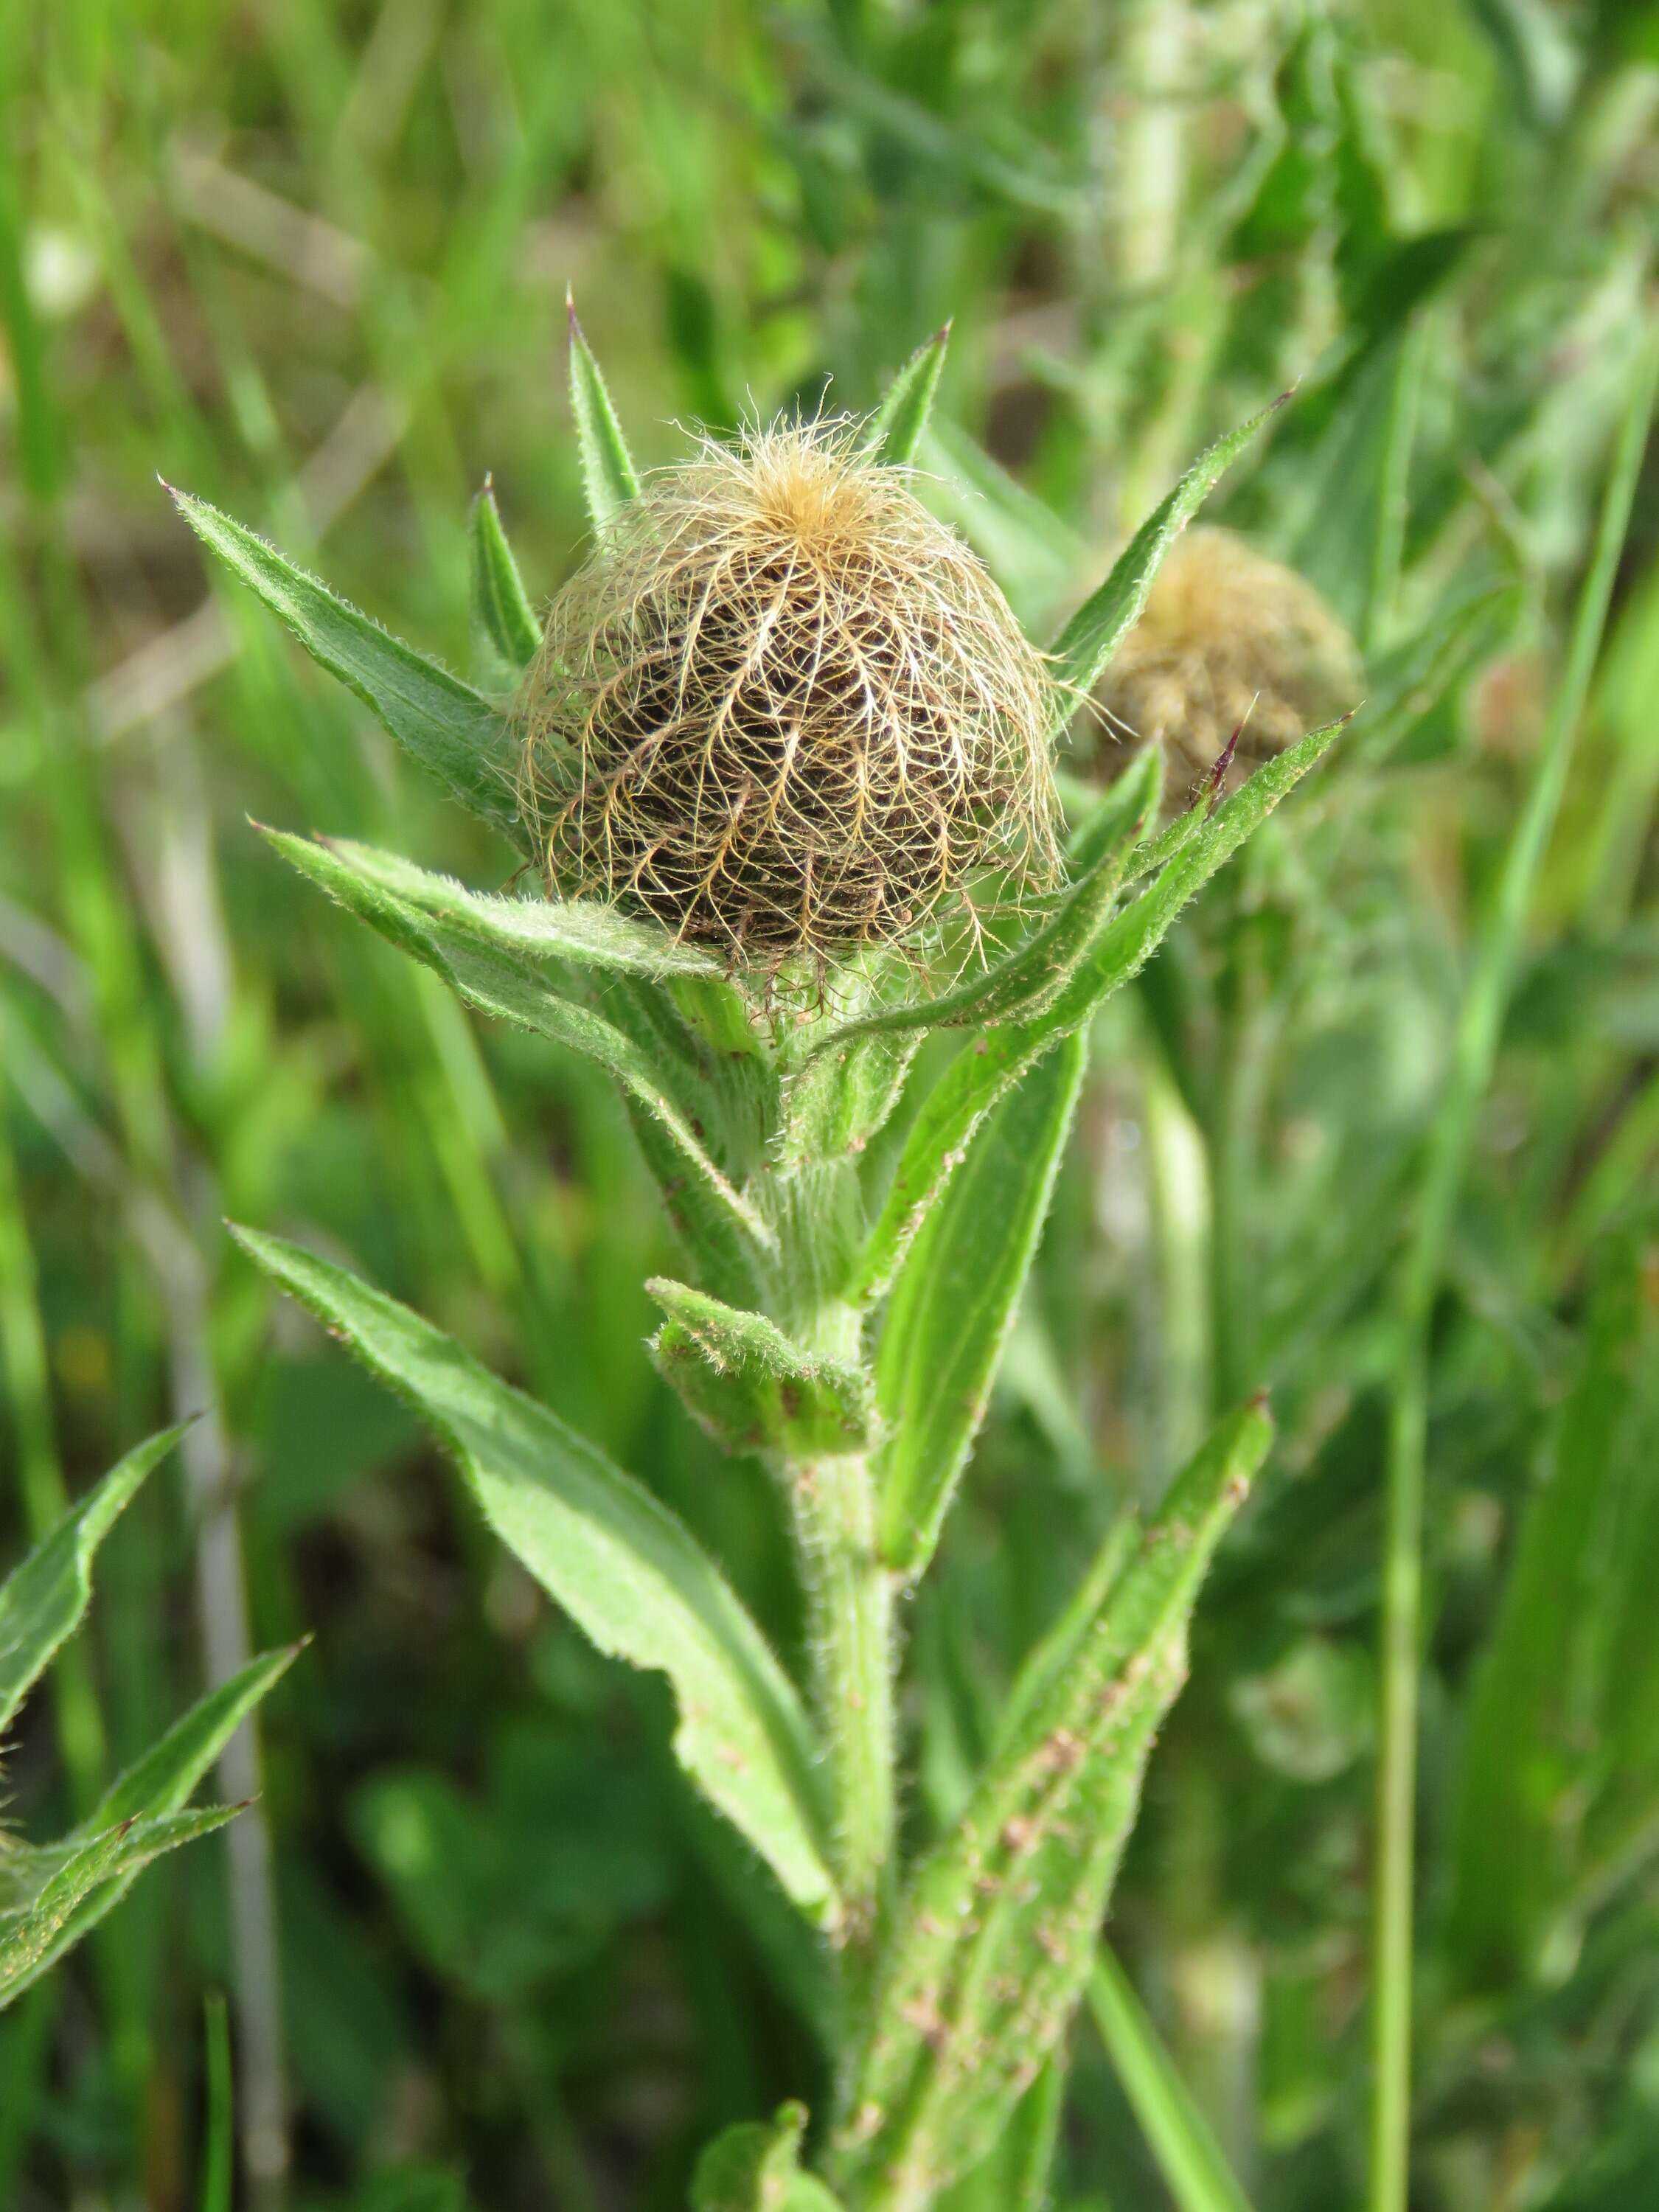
(785,709)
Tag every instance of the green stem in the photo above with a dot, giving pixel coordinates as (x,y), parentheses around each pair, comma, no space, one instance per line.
(1194,2168)
(849,1595)
(1474,1051)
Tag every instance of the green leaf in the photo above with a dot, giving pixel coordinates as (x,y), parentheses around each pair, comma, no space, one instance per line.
(751,1385)
(895,430)
(505,634)
(1100,959)
(629,1573)
(160,1782)
(495,954)
(953,1303)
(1093,634)
(44,1597)
(608,476)
(455,734)
(996,1934)
(30,1932)
(1194,2168)
(756,2167)
(583,931)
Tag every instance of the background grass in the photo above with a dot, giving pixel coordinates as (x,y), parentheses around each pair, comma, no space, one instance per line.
(309,260)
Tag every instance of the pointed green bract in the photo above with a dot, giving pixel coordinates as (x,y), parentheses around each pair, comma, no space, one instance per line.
(756,2167)
(894,431)
(453,732)
(32,1933)
(608,475)
(1111,953)
(751,1385)
(627,1572)
(43,1599)
(506,634)
(1093,634)
(997,1932)
(953,1303)
(496,957)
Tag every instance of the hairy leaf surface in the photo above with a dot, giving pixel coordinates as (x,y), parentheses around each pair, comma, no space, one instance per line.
(453,731)
(627,1572)
(997,1932)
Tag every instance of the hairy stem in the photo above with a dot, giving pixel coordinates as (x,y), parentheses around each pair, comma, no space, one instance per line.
(850,1618)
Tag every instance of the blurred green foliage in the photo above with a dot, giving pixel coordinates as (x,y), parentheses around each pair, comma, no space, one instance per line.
(310,259)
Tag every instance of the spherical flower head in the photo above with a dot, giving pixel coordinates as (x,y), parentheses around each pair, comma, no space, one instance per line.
(785,710)
(1228,641)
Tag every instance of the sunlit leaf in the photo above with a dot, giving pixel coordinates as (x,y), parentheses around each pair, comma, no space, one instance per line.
(627,1570)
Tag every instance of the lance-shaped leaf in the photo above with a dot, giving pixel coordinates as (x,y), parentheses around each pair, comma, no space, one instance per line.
(44,1597)
(997,1932)
(495,953)
(608,475)
(505,631)
(953,1302)
(582,931)
(159,1784)
(453,732)
(31,1931)
(627,1572)
(1193,2163)
(756,2167)
(1116,951)
(752,1387)
(1018,2176)
(894,431)
(1100,625)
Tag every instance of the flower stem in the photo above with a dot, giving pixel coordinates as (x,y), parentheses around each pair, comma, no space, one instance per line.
(850,1619)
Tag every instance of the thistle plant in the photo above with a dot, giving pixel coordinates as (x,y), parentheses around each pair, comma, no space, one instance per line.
(773,757)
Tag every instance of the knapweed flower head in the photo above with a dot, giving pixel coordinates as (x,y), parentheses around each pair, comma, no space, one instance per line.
(784,710)
(1228,641)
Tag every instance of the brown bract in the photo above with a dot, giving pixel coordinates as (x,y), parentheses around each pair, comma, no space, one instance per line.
(784,709)
(1228,638)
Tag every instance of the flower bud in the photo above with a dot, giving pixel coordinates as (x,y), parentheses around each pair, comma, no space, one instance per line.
(784,709)
(1228,641)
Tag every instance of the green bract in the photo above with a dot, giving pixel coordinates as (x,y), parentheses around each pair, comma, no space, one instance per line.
(856,1241)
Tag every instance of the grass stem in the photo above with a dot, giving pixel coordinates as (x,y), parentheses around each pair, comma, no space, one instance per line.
(1450,1138)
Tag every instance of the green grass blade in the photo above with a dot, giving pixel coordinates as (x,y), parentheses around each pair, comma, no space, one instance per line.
(219,2150)
(608,474)
(1474,1051)
(953,1303)
(1093,634)
(453,732)
(895,430)
(43,1599)
(1195,2172)
(505,634)
(626,1569)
